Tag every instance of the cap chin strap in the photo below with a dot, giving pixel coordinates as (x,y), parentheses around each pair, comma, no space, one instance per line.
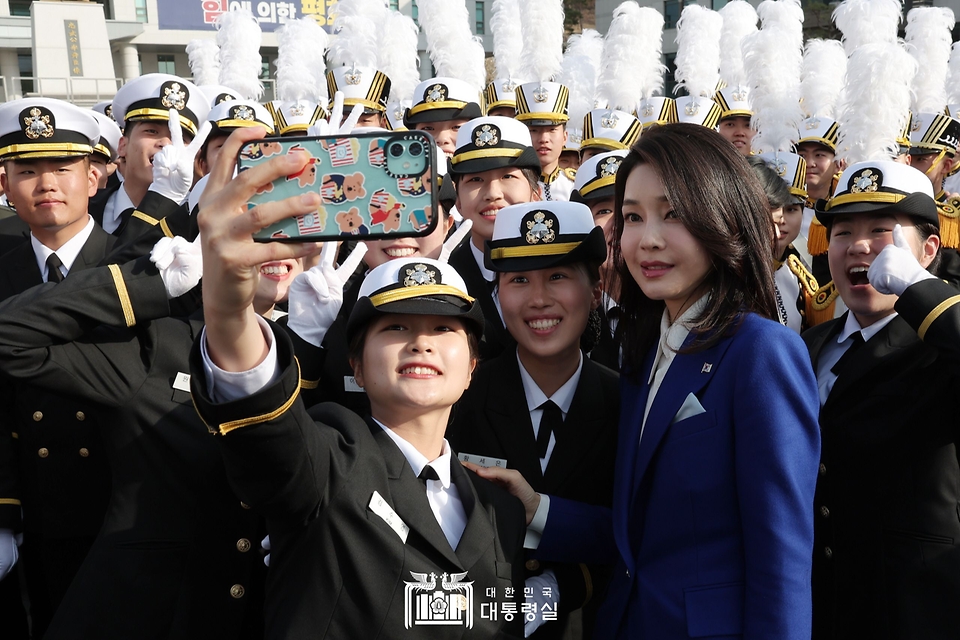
(936,162)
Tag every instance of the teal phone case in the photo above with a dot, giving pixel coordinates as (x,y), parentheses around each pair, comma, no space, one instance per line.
(371,185)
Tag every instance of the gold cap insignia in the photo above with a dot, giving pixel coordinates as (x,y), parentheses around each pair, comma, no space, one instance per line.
(241,112)
(609,121)
(297,110)
(174,95)
(486,136)
(352,76)
(812,123)
(692,108)
(39,124)
(609,167)
(435,93)
(418,275)
(541,94)
(865,181)
(540,226)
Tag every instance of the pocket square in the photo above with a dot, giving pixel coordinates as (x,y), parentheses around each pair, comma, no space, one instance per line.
(691,407)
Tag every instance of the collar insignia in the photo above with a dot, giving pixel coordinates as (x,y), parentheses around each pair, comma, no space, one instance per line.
(865,181)
(417,275)
(39,124)
(539,226)
(174,96)
(486,136)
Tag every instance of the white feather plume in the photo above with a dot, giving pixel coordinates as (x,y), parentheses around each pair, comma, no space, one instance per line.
(239,37)
(356,33)
(773,58)
(824,66)
(300,47)
(739,20)
(783,14)
(541,22)
(507,38)
(953,80)
(581,66)
(454,50)
(867,21)
(632,67)
(928,40)
(204,56)
(698,50)
(399,58)
(877,102)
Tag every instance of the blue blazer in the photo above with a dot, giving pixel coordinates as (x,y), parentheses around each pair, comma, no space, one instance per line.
(711,530)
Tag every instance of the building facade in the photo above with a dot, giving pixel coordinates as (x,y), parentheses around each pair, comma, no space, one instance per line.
(84,50)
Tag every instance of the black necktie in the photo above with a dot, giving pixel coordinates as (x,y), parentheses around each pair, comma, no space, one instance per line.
(53,268)
(428,473)
(550,422)
(124,219)
(848,354)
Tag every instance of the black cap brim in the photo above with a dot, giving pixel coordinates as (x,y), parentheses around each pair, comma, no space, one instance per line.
(436,305)
(469,111)
(596,194)
(915,205)
(591,249)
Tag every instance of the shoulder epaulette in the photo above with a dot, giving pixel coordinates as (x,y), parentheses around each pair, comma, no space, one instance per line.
(571,173)
(821,305)
(949,214)
(807,281)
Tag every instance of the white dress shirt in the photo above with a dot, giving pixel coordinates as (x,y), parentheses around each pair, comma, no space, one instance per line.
(834,350)
(562,397)
(442,494)
(488,275)
(672,337)
(117,203)
(67,253)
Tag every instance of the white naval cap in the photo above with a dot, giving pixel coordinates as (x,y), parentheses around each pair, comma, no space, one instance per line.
(493,142)
(46,128)
(442,98)
(597,176)
(109,144)
(237,114)
(150,97)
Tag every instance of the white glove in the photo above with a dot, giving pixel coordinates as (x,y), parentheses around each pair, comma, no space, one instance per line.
(180,263)
(315,296)
(265,543)
(896,268)
(332,126)
(8,551)
(173,165)
(451,243)
(545,583)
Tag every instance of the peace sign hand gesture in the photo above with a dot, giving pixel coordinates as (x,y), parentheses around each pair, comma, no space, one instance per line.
(173,165)
(316,295)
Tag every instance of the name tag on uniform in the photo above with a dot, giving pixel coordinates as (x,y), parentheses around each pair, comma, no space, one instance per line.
(380,507)
(182,382)
(350,384)
(482,461)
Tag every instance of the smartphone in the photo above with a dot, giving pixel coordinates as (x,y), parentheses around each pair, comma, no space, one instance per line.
(372,185)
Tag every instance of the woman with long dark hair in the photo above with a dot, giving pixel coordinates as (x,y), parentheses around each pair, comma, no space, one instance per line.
(711,528)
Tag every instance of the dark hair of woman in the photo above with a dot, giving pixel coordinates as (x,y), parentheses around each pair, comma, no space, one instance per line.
(778,194)
(717,197)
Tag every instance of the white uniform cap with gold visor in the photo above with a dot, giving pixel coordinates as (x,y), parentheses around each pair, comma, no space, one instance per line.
(597,176)
(417,287)
(109,144)
(493,142)
(443,98)
(238,114)
(151,96)
(46,128)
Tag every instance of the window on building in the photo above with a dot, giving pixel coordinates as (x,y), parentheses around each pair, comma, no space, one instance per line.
(480,28)
(415,12)
(669,83)
(107,8)
(395,5)
(264,67)
(20,7)
(25,69)
(141,8)
(671,13)
(166,64)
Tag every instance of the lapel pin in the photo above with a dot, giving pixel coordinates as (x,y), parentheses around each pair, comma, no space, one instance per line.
(706,367)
